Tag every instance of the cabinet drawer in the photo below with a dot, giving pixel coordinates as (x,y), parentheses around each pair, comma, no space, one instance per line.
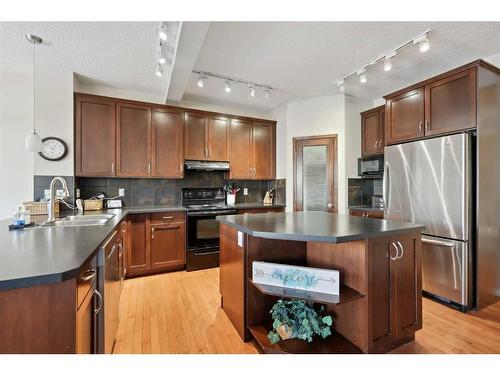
(262,210)
(168,217)
(86,278)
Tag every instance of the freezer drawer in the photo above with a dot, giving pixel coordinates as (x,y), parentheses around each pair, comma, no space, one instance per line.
(445,269)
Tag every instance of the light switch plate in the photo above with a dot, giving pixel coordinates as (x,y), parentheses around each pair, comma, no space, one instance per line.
(240,239)
(46,194)
(114,203)
(121,192)
(245,191)
(78,193)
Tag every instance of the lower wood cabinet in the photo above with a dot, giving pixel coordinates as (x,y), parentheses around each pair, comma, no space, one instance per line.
(157,243)
(260,210)
(365,213)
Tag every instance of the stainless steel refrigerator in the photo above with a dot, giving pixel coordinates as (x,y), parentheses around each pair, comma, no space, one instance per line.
(430,182)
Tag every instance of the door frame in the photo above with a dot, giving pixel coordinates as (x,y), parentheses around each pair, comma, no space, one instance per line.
(334,138)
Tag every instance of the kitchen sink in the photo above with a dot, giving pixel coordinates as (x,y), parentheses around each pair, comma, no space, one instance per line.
(79,221)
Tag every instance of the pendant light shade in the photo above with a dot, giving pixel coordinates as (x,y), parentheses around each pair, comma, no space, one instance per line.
(33,142)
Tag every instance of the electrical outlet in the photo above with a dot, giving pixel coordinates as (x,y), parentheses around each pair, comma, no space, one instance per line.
(46,194)
(245,191)
(78,193)
(121,192)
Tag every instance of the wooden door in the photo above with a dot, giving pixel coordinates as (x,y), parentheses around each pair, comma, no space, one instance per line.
(409,287)
(382,301)
(94,136)
(372,134)
(240,149)
(450,103)
(168,249)
(262,151)
(195,147)
(85,324)
(133,140)
(167,143)
(218,138)
(315,173)
(138,257)
(405,116)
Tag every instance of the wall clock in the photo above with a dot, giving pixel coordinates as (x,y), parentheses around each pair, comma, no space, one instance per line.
(53,149)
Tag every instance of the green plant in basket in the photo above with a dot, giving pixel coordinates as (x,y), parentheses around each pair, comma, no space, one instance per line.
(298,319)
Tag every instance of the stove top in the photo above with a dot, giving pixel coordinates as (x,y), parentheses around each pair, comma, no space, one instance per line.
(204,199)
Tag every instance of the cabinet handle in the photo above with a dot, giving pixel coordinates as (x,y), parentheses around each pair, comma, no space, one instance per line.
(99,296)
(420,126)
(402,249)
(397,251)
(149,168)
(88,275)
(152,233)
(112,251)
(427,125)
(206,152)
(209,152)
(167,217)
(113,167)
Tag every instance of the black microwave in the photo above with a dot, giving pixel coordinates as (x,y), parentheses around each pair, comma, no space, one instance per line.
(372,166)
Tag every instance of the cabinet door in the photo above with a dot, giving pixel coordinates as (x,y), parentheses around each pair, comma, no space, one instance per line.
(361,213)
(409,287)
(371,136)
(94,136)
(85,324)
(195,141)
(382,303)
(450,103)
(138,257)
(218,130)
(167,143)
(240,149)
(133,140)
(168,246)
(405,116)
(263,151)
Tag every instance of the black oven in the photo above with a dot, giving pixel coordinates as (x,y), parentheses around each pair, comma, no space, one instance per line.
(372,166)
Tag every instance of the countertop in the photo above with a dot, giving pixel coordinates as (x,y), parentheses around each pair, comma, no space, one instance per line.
(36,256)
(366,208)
(316,226)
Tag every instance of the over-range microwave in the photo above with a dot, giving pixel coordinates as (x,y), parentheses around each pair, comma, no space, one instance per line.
(372,166)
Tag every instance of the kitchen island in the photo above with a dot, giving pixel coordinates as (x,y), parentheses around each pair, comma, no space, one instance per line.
(380,303)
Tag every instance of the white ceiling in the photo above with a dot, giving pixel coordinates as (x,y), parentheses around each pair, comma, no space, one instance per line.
(116,54)
(302,59)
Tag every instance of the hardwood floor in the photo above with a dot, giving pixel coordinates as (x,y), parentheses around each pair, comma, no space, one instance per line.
(179,313)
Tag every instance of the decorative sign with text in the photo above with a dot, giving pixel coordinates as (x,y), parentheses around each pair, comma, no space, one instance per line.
(297,277)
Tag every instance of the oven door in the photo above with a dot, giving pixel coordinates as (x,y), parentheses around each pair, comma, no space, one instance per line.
(202,231)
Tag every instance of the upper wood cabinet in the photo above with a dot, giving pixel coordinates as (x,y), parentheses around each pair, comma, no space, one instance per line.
(442,105)
(405,116)
(252,150)
(372,131)
(133,140)
(167,157)
(94,136)
(206,137)
(450,103)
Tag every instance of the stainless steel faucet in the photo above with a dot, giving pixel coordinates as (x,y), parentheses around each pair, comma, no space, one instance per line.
(54,198)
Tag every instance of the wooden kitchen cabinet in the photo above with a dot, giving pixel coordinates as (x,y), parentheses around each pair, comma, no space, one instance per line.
(157,243)
(95,136)
(218,138)
(167,156)
(396,286)
(133,141)
(252,150)
(206,137)
(405,116)
(372,131)
(450,103)
(195,126)
(85,324)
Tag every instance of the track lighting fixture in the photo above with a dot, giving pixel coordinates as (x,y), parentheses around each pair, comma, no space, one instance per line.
(267,93)
(159,70)
(162,32)
(201,80)
(227,87)
(424,45)
(252,91)
(362,75)
(423,42)
(387,64)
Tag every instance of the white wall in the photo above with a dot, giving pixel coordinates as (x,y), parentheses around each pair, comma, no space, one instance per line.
(54,117)
(16,165)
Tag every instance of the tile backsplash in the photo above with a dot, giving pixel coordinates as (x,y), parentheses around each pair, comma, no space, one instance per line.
(149,192)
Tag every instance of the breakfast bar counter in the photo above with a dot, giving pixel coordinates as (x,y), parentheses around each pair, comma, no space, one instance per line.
(379,306)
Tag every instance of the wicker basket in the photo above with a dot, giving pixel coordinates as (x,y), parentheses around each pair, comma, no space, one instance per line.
(93,204)
(40,208)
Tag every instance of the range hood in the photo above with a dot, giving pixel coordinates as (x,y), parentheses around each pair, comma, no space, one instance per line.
(201,165)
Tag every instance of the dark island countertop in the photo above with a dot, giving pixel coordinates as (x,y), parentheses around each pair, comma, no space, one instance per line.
(37,256)
(315,226)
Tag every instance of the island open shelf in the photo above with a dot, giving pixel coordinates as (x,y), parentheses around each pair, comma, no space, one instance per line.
(380,303)
(346,294)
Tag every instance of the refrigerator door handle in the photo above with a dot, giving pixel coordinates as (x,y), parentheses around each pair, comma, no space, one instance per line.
(437,242)
(385,187)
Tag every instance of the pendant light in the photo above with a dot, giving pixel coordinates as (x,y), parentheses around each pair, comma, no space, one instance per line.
(33,142)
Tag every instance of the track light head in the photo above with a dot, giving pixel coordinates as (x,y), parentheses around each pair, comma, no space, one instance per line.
(162,32)
(387,64)
(423,42)
(362,75)
(227,87)
(159,70)
(201,82)
(267,93)
(340,85)
(252,91)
